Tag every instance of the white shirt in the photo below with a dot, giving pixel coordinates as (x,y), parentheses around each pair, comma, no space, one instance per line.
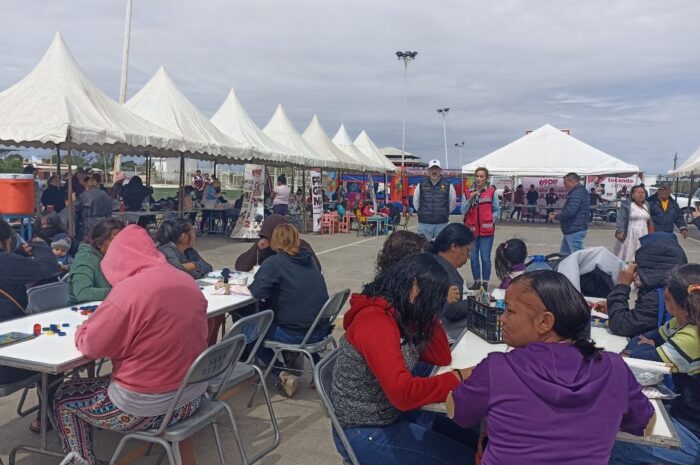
(453,197)
(281,195)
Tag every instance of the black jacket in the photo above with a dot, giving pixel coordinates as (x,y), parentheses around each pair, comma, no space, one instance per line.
(134,194)
(55,196)
(654,261)
(664,221)
(293,287)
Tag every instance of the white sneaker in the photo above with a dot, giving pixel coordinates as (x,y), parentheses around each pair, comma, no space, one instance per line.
(289,382)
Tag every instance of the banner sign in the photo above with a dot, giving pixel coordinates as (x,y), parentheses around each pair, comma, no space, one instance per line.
(612,188)
(399,186)
(500,182)
(316,198)
(253,207)
(542,185)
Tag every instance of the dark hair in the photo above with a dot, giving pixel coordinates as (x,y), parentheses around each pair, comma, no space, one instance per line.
(400,244)
(170,230)
(572,177)
(135,181)
(54,225)
(29,169)
(282,179)
(509,253)
(189,189)
(103,230)
(97,177)
(572,317)
(416,321)
(453,233)
(679,283)
(6,231)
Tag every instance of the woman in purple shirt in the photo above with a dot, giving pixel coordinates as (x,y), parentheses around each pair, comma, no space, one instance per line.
(556,399)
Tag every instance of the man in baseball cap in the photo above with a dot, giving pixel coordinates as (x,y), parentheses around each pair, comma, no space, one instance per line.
(434,198)
(665,211)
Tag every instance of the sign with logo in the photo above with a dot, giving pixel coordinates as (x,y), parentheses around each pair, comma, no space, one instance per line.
(316,198)
(612,188)
(253,208)
(543,185)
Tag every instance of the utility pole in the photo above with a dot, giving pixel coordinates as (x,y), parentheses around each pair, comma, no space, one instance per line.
(406,57)
(460,145)
(125,67)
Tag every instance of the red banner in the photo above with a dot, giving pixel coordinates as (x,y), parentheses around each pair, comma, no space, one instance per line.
(399,186)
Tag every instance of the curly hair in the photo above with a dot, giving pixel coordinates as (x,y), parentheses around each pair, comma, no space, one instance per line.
(399,245)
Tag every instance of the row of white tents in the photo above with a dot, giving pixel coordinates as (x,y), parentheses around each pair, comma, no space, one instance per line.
(56,105)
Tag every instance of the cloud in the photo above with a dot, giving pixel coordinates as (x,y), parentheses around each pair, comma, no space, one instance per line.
(621,75)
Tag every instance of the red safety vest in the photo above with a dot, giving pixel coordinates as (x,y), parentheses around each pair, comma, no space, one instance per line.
(479,218)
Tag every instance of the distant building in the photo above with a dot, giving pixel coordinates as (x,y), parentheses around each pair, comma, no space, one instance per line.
(410,160)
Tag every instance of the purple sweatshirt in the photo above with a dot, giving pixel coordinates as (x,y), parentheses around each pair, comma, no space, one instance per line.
(546,405)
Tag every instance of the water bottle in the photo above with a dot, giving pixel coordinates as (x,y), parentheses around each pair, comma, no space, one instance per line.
(539,262)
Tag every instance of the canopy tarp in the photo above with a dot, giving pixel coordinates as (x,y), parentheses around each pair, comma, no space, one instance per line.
(367,146)
(319,140)
(56,101)
(547,151)
(690,166)
(232,119)
(161,102)
(343,142)
(280,129)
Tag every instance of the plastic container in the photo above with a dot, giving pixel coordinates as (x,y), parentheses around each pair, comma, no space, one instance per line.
(483,321)
(539,262)
(16,194)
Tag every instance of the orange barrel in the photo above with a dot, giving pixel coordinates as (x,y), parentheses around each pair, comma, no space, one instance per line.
(16,194)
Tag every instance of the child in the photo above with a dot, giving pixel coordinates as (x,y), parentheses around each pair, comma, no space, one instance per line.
(60,249)
(510,261)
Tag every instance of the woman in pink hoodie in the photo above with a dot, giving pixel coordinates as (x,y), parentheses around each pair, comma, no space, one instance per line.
(152,326)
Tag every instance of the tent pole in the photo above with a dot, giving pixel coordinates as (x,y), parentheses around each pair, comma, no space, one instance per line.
(181,190)
(71,212)
(58,161)
(215,163)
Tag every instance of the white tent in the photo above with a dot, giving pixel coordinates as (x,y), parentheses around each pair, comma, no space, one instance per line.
(280,129)
(162,103)
(319,140)
(690,166)
(344,143)
(367,146)
(232,119)
(547,151)
(56,102)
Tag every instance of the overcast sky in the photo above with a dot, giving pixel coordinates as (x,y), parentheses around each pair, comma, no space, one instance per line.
(624,76)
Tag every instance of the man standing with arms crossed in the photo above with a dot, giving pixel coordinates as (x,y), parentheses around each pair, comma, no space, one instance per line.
(434,198)
(574,215)
(665,212)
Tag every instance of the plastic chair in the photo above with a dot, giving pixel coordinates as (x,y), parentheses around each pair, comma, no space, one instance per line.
(327,223)
(344,224)
(329,312)
(324,376)
(362,225)
(47,297)
(218,360)
(253,328)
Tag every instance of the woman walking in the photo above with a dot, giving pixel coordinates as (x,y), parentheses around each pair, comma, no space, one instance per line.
(280,196)
(481,212)
(633,222)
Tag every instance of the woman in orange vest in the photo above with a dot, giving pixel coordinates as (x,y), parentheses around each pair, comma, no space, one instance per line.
(480,212)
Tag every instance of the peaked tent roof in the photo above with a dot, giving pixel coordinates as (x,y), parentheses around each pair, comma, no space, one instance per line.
(344,143)
(690,166)
(319,140)
(56,101)
(232,119)
(547,151)
(280,129)
(367,146)
(161,102)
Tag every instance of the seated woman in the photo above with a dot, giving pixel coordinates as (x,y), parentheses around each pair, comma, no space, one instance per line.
(86,282)
(150,358)
(399,245)
(293,287)
(452,248)
(676,343)
(389,328)
(176,239)
(50,228)
(658,255)
(555,376)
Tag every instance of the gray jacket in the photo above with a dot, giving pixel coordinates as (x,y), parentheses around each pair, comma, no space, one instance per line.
(176,259)
(623,216)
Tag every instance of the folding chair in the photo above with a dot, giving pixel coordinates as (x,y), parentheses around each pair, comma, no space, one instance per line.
(47,297)
(217,361)
(7,389)
(328,313)
(324,375)
(254,328)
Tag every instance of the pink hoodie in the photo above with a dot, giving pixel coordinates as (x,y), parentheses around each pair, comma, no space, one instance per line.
(153,323)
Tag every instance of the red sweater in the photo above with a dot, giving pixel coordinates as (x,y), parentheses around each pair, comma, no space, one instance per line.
(371,328)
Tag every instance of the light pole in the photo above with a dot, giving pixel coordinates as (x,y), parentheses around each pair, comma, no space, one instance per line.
(406,57)
(125,67)
(443,112)
(459,146)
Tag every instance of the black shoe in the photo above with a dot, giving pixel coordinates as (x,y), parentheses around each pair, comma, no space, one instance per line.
(476,286)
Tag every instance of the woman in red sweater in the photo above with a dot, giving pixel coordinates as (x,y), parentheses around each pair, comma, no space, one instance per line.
(389,328)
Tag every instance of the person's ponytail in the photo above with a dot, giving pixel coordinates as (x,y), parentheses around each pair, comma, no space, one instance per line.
(587,348)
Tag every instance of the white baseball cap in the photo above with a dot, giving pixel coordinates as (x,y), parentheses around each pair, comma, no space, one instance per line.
(434,162)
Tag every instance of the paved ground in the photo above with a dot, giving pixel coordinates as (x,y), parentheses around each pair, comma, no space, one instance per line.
(348,262)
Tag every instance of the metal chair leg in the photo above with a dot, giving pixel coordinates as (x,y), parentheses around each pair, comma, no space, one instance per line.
(267,372)
(20,405)
(219,446)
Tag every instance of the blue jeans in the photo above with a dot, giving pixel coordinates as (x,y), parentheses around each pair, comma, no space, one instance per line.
(481,258)
(627,453)
(572,242)
(430,231)
(416,438)
(280,334)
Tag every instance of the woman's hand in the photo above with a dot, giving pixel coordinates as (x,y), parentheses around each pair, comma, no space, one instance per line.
(453,295)
(473,194)
(646,340)
(601,306)
(189,266)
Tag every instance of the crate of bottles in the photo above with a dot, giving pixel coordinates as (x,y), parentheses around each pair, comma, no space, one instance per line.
(483,320)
